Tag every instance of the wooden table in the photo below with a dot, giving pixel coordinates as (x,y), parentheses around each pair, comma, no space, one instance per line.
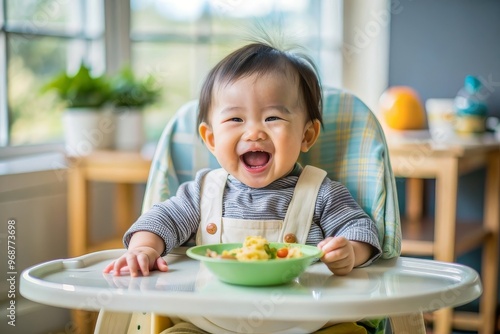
(443,237)
(122,168)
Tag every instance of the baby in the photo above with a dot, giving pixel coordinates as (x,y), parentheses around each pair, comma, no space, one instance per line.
(259,108)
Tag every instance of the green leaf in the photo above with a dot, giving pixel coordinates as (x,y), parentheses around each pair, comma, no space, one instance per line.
(129,91)
(271,251)
(80,90)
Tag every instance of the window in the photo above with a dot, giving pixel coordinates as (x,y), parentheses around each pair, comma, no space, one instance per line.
(175,41)
(38,40)
(179,41)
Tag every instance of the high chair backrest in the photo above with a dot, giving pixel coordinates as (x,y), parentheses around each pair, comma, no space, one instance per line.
(351,148)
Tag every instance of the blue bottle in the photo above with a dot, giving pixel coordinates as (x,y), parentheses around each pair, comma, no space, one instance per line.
(471,107)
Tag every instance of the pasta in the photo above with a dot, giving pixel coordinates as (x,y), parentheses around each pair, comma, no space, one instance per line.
(257,248)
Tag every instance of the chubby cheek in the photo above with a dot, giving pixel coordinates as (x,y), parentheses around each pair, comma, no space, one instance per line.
(289,145)
(224,151)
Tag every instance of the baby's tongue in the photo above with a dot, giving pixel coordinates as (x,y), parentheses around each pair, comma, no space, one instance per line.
(254,159)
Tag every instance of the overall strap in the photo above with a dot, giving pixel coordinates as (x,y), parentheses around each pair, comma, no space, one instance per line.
(212,191)
(299,216)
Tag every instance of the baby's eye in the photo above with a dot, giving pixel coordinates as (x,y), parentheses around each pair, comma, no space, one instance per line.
(234,119)
(272,118)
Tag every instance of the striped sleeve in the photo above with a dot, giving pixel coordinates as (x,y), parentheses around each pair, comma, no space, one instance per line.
(174,220)
(338,214)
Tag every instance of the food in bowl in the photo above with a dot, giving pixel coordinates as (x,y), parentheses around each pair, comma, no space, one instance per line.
(257,248)
(257,272)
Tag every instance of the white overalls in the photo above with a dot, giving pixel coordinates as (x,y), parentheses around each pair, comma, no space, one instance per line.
(294,228)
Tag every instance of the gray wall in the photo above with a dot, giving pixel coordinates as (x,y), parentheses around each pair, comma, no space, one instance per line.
(434,44)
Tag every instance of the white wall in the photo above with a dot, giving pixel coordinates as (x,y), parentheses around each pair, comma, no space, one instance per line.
(365,68)
(36,199)
(36,202)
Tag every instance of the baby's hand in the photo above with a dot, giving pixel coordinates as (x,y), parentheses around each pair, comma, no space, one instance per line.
(140,259)
(338,255)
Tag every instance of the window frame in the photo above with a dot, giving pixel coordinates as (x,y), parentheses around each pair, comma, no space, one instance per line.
(4,118)
(9,29)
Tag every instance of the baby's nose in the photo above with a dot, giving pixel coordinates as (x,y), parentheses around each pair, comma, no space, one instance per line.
(254,133)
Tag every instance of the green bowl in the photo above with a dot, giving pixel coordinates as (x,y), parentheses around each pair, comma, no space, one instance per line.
(255,273)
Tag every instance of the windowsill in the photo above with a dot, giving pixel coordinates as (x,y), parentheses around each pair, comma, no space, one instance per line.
(29,159)
(33,163)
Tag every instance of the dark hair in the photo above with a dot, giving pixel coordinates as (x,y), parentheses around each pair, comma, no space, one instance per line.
(259,58)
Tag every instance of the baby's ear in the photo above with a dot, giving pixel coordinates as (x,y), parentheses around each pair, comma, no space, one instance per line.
(311,133)
(207,135)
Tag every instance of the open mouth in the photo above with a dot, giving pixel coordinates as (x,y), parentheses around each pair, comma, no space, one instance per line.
(255,159)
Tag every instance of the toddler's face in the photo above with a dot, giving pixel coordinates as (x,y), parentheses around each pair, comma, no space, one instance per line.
(258,127)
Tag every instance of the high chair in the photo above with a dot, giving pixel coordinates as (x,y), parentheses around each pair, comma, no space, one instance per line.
(351,148)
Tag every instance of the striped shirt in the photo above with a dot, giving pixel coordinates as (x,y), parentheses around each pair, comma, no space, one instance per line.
(336,212)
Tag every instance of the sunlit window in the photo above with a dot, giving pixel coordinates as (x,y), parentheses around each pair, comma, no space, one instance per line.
(41,39)
(179,41)
(175,41)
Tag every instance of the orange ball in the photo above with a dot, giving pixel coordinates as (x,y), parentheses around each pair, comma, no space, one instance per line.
(401,109)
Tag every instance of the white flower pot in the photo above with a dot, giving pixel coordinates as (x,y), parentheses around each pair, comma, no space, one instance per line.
(129,134)
(87,130)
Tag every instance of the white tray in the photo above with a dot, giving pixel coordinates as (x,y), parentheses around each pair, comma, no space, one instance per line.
(388,287)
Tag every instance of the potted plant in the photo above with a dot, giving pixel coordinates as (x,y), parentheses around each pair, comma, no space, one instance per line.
(130,96)
(87,125)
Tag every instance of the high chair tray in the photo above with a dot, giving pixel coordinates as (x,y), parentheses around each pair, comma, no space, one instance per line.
(388,287)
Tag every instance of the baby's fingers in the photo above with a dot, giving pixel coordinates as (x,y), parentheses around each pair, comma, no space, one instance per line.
(115,266)
(143,262)
(332,244)
(335,255)
(109,267)
(161,264)
(340,268)
(133,264)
